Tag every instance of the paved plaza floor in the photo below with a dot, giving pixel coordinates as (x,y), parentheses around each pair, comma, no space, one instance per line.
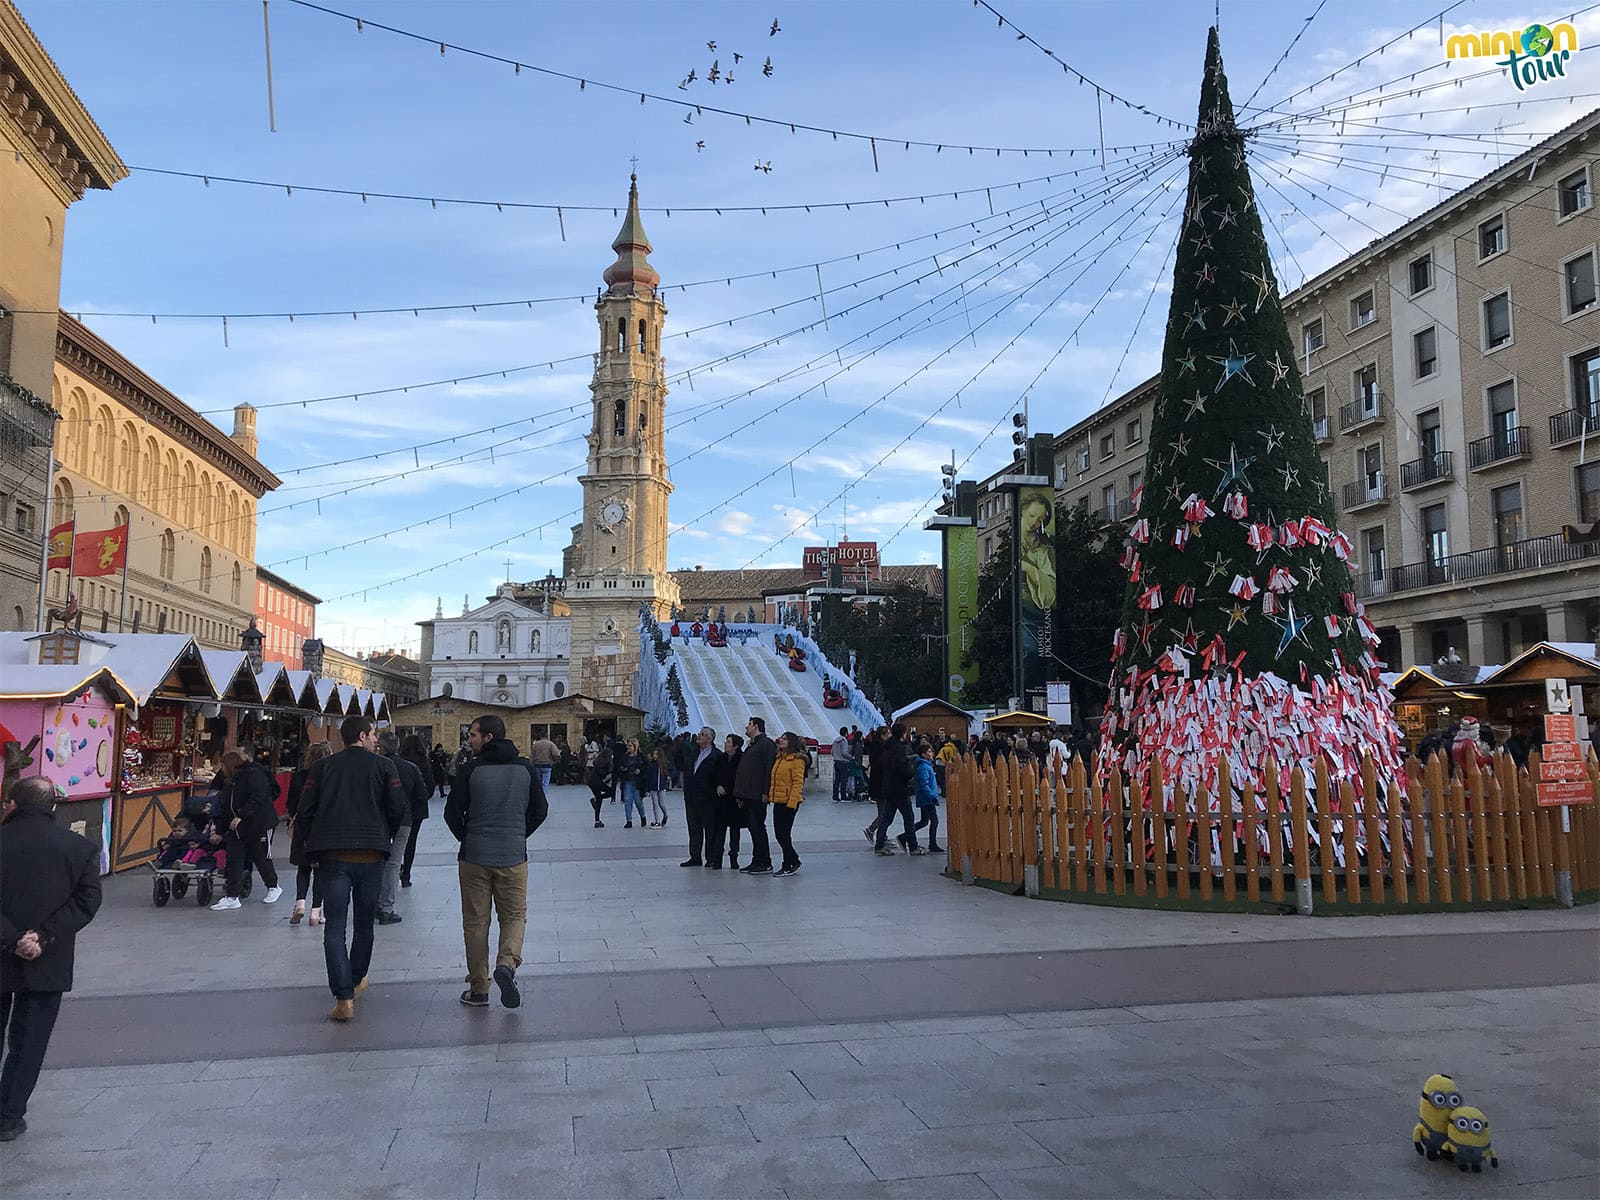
(865,1028)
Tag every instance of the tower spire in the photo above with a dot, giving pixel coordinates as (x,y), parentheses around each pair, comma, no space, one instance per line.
(632,273)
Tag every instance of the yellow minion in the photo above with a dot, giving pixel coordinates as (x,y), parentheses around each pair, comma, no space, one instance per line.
(1432,1133)
(1469,1139)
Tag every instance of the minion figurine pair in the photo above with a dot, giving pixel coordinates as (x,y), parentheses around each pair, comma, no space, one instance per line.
(1448,1128)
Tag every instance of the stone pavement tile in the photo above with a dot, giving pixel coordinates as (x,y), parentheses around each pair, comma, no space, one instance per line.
(536,1136)
(771,1122)
(440,1107)
(926,1025)
(1086,1041)
(959,1149)
(535,1072)
(664,1129)
(711,1039)
(331,1152)
(1199,1011)
(665,1064)
(841,1031)
(509,1103)
(926,1048)
(856,1082)
(185,1096)
(804,1165)
(154,1073)
(934,1187)
(273,1091)
(563,1048)
(1074,1017)
(108,1130)
(1159,1179)
(422,1056)
(288,1064)
(1377,1084)
(50,1103)
(774,1085)
(797,1057)
(991,1104)
(436,1183)
(633,1175)
(148,1171)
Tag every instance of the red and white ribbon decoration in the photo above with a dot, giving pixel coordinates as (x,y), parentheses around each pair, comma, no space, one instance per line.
(1244,587)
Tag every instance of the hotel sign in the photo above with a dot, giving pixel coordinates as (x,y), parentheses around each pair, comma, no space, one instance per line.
(857,560)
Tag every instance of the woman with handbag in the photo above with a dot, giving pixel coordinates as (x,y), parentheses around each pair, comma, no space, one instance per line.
(304,879)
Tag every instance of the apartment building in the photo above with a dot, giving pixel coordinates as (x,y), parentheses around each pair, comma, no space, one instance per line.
(1452,376)
(286,615)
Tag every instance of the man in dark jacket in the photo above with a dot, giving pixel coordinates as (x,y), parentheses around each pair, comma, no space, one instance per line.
(700,797)
(416,792)
(351,807)
(727,819)
(752,783)
(495,806)
(49,889)
(894,761)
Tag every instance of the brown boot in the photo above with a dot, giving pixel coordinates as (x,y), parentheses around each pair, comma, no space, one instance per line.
(343,1010)
(362,986)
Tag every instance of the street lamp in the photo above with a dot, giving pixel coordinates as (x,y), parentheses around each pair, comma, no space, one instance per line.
(250,640)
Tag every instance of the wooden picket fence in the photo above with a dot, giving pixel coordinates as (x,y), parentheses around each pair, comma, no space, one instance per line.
(1481,842)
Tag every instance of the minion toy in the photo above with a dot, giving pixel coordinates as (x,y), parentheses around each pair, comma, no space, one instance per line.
(1469,1139)
(1433,1130)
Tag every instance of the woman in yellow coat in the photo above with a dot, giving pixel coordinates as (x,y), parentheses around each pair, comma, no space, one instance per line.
(788,777)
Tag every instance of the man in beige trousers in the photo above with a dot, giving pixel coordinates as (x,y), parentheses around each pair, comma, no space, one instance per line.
(495,805)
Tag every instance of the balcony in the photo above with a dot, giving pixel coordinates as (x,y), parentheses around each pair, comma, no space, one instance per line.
(1531,554)
(1365,492)
(1438,467)
(1319,428)
(1503,445)
(1369,584)
(1125,509)
(1366,409)
(1575,423)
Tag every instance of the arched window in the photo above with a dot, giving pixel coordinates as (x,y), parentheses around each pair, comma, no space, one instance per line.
(205,569)
(622,335)
(619,421)
(150,472)
(203,502)
(472,642)
(169,484)
(120,517)
(230,532)
(533,642)
(63,501)
(128,460)
(642,347)
(219,504)
(187,497)
(169,554)
(238,579)
(100,464)
(74,434)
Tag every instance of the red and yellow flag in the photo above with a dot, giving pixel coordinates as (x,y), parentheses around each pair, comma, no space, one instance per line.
(101,553)
(60,556)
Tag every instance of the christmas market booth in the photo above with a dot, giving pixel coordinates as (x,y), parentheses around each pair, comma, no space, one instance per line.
(59,720)
(1431,699)
(1016,721)
(573,718)
(931,714)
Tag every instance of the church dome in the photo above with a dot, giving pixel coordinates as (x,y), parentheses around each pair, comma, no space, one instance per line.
(632,270)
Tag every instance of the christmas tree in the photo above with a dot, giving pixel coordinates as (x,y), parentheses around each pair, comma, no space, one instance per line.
(1241,634)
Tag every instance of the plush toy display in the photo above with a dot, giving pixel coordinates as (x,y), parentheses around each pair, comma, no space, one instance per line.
(1440,1098)
(1469,1139)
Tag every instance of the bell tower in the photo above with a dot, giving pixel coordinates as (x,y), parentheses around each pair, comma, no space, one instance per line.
(618,557)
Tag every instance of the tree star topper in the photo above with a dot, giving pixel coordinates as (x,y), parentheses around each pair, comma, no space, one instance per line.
(1232,363)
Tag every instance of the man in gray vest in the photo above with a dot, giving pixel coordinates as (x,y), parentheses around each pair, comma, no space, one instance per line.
(496,803)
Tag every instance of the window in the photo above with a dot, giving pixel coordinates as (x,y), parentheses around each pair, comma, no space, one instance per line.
(1573,193)
(1586,380)
(205,569)
(1366,382)
(24,519)
(1492,237)
(1496,321)
(1578,275)
(1317,404)
(559,690)
(1435,534)
(1507,506)
(1363,310)
(1426,352)
(1375,553)
(120,517)
(1421,273)
(1135,482)
(1108,501)
(238,578)
(169,551)
(622,335)
(1589,492)
(1503,411)
(1108,445)
(64,503)
(1369,462)
(619,418)
(641,337)
(1135,431)
(1083,459)
(1311,336)
(1430,437)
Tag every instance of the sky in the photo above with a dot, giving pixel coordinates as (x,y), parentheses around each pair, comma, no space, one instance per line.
(824,357)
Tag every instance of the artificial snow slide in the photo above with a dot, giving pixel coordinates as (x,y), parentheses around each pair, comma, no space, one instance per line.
(732,683)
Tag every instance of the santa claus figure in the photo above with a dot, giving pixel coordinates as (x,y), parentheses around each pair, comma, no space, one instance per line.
(1469,752)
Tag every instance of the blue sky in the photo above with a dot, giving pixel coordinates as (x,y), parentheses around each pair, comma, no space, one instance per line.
(930,341)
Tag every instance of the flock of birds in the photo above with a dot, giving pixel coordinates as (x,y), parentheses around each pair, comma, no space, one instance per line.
(716,74)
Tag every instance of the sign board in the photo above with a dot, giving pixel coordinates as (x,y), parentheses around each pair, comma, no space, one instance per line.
(856,560)
(1565,793)
(1560,727)
(1058,702)
(1554,770)
(1561,752)
(1557,698)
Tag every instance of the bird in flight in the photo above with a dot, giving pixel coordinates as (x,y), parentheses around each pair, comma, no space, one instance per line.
(774,31)
(766,67)
(711,75)
(688,118)
(764,166)
(728,78)
(699,146)
(711,46)
(736,57)
(690,78)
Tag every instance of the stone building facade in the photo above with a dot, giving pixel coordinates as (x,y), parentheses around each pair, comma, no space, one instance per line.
(133,454)
(515,650)
(1452,375)
(51,154)
(286,615)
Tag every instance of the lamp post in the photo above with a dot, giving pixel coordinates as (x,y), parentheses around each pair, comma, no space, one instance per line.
(251,640)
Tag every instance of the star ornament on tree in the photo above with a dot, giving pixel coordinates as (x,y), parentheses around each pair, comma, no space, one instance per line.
(1195,316)
(1263,283)
(1218,566)
(1232,470)
(1294,628)
(1233,364)
(1196,405)
(1279,367)
(1273,437)
(1233,311)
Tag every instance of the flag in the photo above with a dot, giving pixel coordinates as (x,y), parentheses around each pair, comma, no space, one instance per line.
(101,553)
(60,556)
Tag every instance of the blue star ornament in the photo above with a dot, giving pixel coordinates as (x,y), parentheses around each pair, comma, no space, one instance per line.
(1232,470)
(1233,364)
(1294,629)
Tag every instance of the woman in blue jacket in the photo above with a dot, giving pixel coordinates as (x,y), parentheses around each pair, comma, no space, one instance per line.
(928,797)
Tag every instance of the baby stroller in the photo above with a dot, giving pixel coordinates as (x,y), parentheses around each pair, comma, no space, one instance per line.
(190,860)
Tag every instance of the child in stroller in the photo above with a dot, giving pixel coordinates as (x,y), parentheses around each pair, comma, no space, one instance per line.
(191,845)
(192,851)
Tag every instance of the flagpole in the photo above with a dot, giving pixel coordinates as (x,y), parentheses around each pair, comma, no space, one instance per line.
(122,615)
(44,562)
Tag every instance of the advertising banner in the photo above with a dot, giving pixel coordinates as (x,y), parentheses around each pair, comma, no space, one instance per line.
(1036,541)
(960,608)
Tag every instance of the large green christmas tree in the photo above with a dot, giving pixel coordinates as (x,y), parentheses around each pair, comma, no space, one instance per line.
(1241,635)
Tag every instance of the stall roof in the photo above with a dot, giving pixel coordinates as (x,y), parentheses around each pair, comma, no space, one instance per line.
(1573,661)
(365,701)
(1018,717)
(348,704)
(60,681)
(926,701)
(276,690)
(143,662)
(235,681)
(327,694)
